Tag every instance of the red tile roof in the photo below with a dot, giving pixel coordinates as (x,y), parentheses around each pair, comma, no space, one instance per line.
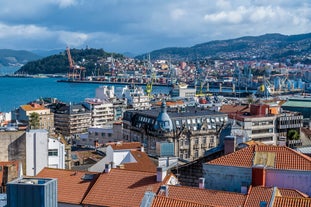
(125,145)
(143,164)
(206,197)
(292,193)
(35,107)
(285,158)
(234,109)
(162,201)
(71,188)
(258,194)
(121,188)
(289,202)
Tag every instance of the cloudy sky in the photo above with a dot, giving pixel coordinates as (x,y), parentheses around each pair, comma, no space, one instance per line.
(140,26)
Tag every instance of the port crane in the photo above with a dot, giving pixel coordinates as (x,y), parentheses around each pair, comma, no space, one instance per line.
(76,72)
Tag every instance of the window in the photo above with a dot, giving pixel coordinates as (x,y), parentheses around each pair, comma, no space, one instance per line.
(53,152)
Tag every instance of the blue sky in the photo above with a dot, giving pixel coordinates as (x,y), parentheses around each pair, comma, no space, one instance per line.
(140,26)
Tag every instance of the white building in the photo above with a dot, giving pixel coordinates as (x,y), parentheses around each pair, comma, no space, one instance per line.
(136,97)
(42,151)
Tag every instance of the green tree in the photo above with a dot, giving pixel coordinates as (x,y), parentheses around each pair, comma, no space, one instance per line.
(34,120)
(293,134)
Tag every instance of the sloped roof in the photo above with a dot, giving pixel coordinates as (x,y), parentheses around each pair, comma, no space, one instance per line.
(125,145)
(281,196)
(143,164)
(234,108)
(71,188)
(285,158)
(287,201)
(35,107)
(162,201)
(206,197)
(121,187)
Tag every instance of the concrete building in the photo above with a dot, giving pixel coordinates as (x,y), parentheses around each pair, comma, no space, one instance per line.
(97,136)
(101,111)
(136,97)
(183,91)
(46,117)
(71,119)
(192,130)
(56,153)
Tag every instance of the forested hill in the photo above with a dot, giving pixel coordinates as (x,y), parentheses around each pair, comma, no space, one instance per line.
(59,64)
(265,47)
(16,57)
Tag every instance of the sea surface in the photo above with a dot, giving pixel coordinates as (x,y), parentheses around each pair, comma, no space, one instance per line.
(18,91)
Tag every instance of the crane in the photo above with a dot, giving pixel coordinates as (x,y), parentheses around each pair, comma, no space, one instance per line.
(75,70)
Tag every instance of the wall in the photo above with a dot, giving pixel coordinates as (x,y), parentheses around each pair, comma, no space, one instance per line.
(300,180)
(56,161)
(36,151)
(226,177)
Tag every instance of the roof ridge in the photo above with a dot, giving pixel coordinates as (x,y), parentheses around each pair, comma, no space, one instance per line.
(205,189)
(299,153)
(184,200)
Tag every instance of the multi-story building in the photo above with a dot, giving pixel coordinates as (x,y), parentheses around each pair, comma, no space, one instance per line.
(136,97)
(101,111)
(71,119)
(46,117)
(192,130)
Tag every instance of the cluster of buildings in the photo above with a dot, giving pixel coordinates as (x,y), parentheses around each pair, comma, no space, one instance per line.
(134,151)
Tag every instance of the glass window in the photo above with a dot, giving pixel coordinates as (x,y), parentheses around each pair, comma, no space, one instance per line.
(177,123)
(188,121)
(208,120)
(199,121)
(53,152)
(217,119)
(193,121)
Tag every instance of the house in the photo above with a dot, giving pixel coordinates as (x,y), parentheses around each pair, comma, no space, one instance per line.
(259,165)
(72,186)
(119,187)
(125,155)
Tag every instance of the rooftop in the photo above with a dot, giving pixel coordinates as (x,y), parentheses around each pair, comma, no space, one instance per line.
(71,187)
(285,158)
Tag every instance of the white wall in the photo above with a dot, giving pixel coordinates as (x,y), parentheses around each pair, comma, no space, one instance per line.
(59,160)
(36,151)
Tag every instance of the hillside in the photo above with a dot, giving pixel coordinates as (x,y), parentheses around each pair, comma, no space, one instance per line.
(16,57)
(58,64)
(266,47)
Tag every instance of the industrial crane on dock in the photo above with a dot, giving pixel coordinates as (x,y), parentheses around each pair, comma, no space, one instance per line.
(76,72)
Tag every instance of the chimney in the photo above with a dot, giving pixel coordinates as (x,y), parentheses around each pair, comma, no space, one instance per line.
(107,168)
(161,173)
(164,190)
(229,144)
(201,183)
(142,148)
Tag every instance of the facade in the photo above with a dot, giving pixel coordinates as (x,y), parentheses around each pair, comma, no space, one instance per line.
(300,104)
(97,136)
(56,154)
(183,91)
(136,97)
(192,130)
(71,119)
(46,118)
(102,111)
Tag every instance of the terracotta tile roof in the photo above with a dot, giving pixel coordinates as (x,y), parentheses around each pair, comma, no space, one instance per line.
(121,188)
(234,109)
(125,145)
(206,197)
(143,164)
(258,194)
(29,107)
(292,193)
(286,201)
(71,188)
(285,158)
(162,201)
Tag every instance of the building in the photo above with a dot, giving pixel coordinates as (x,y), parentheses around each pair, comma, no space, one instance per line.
(302,105)
(192,130)
(35,192)
(136,97)
(71,119)
(262,165)
(183,91)
(98,136)
(56,153)
(46,117)
(102,111)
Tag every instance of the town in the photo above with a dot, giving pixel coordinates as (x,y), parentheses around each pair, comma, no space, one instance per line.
(229,133)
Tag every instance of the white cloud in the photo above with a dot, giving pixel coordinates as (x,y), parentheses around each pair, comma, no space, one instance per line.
(177,14)
(65,3)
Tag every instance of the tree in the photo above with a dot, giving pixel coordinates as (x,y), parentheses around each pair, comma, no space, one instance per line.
(34,120)
(293,134)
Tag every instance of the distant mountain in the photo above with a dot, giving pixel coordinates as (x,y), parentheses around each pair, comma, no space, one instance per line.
(16,57)
(264,47)
(45,53)
(58,64)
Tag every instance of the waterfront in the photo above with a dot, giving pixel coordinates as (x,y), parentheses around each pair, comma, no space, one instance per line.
(17,91)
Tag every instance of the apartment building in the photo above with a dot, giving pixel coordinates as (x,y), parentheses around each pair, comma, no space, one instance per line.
(71,119)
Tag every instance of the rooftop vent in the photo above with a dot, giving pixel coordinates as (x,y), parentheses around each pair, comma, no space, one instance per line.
(88,177)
